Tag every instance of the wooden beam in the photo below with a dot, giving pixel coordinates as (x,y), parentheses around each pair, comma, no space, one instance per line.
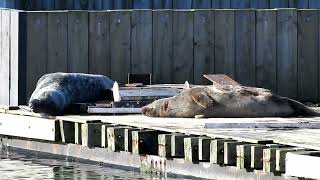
(177,145)
(145,142)
(115,137)
(230,152)
(217,150)
(244,156)
(91,134)
(164,141)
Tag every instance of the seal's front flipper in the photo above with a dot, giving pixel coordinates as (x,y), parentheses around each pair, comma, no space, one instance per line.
(202,99)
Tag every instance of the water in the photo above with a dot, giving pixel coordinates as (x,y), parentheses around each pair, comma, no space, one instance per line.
(22,165)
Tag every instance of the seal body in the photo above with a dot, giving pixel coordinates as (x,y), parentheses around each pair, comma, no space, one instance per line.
(56,91)
(226,101)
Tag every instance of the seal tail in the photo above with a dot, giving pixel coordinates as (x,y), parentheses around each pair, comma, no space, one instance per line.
(301,109)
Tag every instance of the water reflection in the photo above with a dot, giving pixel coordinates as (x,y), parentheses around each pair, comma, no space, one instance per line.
(14,165)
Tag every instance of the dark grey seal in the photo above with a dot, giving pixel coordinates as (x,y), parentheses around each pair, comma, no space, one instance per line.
(56,91)
(227,101)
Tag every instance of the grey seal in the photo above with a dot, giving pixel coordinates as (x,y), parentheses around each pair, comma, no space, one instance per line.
(54,92)
(226,101)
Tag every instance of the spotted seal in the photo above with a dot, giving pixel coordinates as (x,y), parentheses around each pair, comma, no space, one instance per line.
(56,91)
(227,101)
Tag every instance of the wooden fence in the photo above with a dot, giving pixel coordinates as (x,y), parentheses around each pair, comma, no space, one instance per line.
(155,4)
(274,49)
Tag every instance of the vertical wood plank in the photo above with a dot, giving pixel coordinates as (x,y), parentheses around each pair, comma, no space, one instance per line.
(37,48)
(122,4)
(69,4)
(314,4)
(182,4)
(245,46)
(59,4)
(182,46)
(308,38)
(162,46)
(5,58)
(142,4)
(225,4)
(266,49)
(279,4)
(78,41)
(240,4)
(259,4)
(107,4)
(201,4)
(82,4)
(162,4)
(99,43)
(141,42)
(120,38)
(224,46)
(287,52)
(203,45)
(17,58)
(303,4)
(57,42)
(48,4)
(215,4)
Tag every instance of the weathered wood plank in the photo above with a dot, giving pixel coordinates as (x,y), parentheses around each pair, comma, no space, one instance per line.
(191,151)
(29,127)
(182,4)
(37,48)
(245,47)
(240,4)
(107,4)
(162,4)
(287,52)
(201,4)
(203,45)
(217,150)
(308,37)
(141,41)
(225,4)
(162,71)
(120,38)
(99,43)
(224,46)
(81,5)
(266,46)
(91,134)
(230,152)
(67,131)
(244,156)
(17,58)
(164,149)
(257,156)
(116,138)
(57,42)
(122,4)
(314,4)
(128,138)
(59,4)
(303,4)
(142,4)
(177,145)
(78,41)
(279,4)
(259,4)
(48,4)
(204,149)
(5,58)
(182,46)
(145,142)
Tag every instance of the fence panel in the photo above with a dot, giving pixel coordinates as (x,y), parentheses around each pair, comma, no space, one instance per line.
(162,46)
(120,39)
(57,42)
(279,3)
(308,48)
(182,46)
(287,52)
(203,45)
(266,49)
(141,41)
(99,43)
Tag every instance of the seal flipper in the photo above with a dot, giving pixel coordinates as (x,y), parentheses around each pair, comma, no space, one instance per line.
(300,109)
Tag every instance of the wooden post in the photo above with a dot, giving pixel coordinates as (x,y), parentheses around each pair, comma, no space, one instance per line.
(177,145)
(244,156)
(164,141)
(257,156)
(104,135)
(191,151)
(116,138)
(216,150)
(91,134)
(145,142)
(230,153)
(67,131)
(204,148)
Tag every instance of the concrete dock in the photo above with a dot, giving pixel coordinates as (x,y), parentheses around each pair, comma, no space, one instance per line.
(228,148)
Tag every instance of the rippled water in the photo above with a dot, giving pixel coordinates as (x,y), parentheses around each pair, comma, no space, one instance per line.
(22,165)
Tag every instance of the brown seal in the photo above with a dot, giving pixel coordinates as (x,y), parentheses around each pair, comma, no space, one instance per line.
(227,101)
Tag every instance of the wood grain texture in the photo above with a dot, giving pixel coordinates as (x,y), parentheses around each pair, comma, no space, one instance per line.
(120,37)
(308,47)
(37,48)
(266,49)
(141,42)
(182,46)
(224,46)
(5,58)
(99,43)
(57,42)
(162,46)
(287,52)
(201,4)
(78,41)
(245,47)
(203,45)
